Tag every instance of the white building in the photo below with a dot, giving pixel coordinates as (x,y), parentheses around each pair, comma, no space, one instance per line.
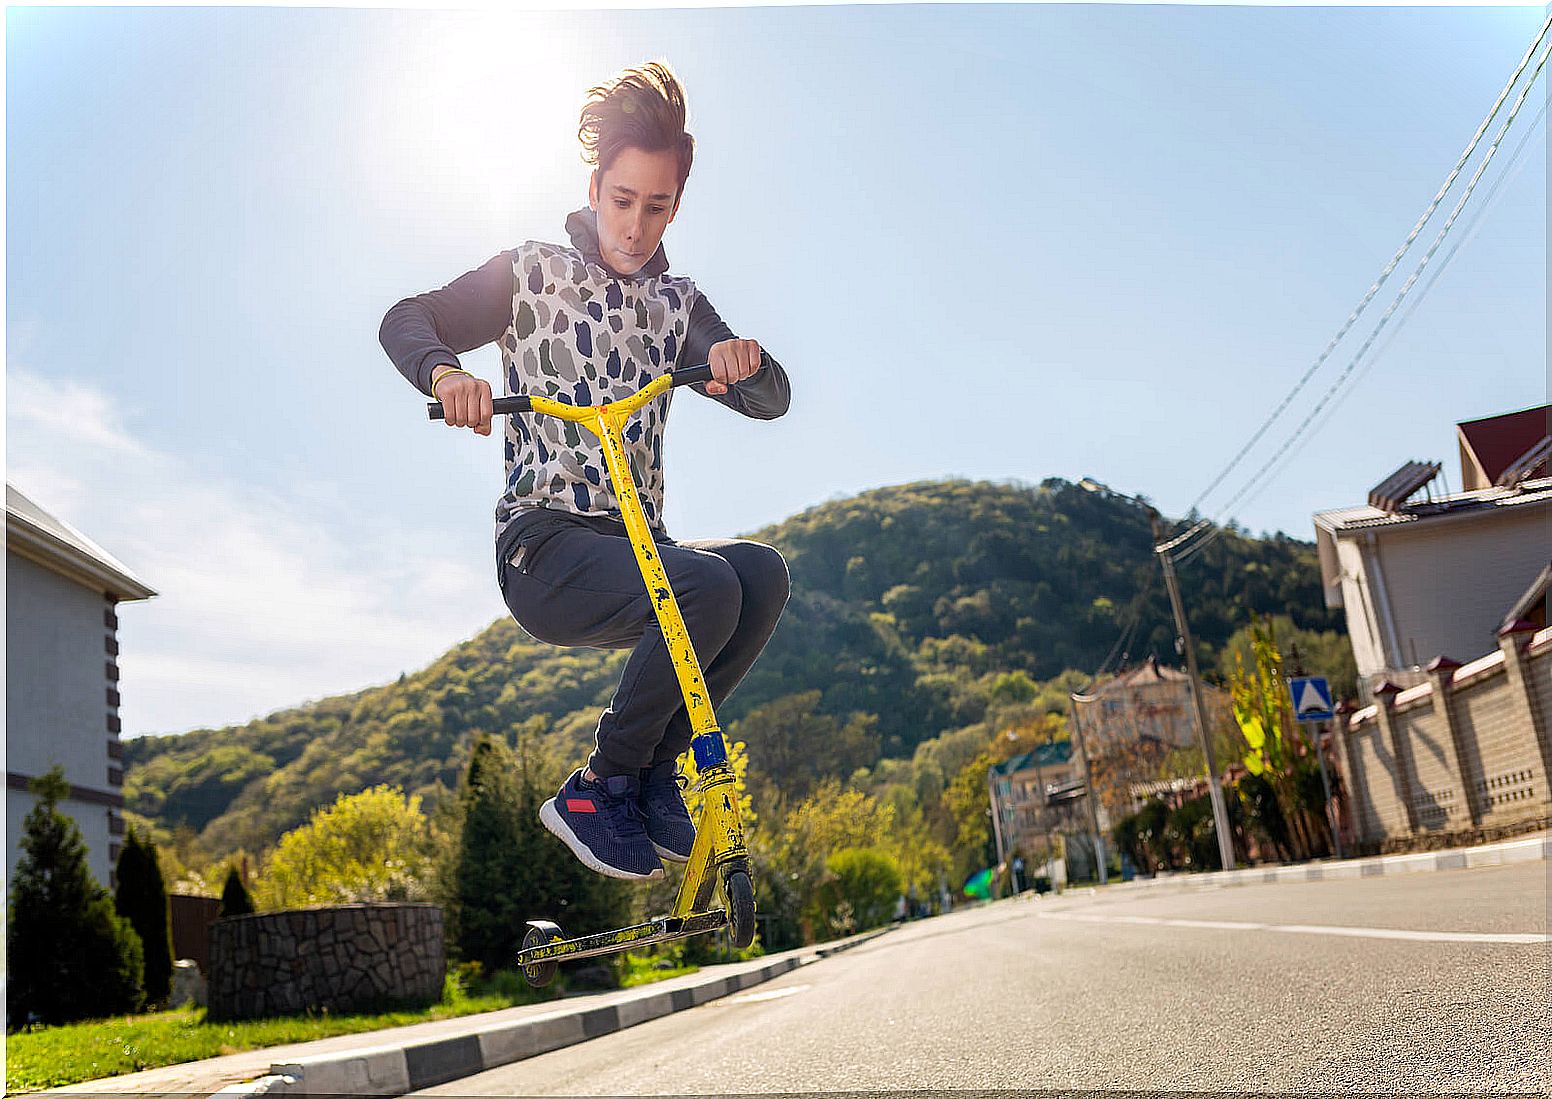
(62,676)
(1434,576)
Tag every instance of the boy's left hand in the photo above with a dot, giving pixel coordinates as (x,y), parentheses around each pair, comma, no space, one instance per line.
(731,361)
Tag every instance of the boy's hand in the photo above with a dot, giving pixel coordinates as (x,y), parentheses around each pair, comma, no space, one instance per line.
(465,402)
(731,361)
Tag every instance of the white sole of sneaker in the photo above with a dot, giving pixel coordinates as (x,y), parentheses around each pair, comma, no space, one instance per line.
(550,817)
(665,853)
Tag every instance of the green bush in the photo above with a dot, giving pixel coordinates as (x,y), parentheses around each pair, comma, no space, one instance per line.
(862,889)
(1189,830)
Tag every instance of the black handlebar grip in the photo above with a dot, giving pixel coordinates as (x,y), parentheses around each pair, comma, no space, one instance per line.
(688,375)
(499,406)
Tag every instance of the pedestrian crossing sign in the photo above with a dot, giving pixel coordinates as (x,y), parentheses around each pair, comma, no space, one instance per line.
(1311,698)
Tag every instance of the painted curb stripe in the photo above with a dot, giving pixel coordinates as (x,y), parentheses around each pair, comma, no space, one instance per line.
(440,1061)
(1537,848)
(392,1070)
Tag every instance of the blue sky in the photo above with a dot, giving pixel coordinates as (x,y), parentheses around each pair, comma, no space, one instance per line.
(990,242)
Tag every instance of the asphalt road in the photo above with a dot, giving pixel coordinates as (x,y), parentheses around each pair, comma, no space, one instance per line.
(1427,984)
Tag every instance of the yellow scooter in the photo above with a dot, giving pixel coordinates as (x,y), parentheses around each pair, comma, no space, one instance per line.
(718,857)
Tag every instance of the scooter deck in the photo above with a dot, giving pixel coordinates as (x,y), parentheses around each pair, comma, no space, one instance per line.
(658,930)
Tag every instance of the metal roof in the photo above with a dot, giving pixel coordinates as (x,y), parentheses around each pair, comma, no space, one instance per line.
(1483,501)
(35,534)
(1053,754)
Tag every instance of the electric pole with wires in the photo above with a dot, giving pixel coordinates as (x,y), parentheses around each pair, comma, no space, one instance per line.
(1165,551)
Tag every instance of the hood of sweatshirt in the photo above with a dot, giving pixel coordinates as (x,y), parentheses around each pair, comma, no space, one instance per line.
(583,226)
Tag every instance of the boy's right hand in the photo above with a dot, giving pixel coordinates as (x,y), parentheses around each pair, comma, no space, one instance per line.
(466,402)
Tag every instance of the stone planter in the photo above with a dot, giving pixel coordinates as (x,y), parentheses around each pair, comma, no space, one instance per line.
(354,957)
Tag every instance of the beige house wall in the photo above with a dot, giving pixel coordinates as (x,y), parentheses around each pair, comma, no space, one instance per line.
(1448,582)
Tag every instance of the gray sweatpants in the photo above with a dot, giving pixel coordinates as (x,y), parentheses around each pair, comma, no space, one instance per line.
(576,582)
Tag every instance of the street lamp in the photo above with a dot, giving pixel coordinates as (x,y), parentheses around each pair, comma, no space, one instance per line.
(1164,551)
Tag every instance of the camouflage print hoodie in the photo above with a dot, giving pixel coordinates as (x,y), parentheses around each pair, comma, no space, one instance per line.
(572,329)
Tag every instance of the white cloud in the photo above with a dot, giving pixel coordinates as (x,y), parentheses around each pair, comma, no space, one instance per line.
(262,605)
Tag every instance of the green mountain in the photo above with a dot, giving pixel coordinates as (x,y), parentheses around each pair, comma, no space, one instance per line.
(909,602)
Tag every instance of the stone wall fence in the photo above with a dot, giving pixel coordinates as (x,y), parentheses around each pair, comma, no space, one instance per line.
(354,957)
(1463,757)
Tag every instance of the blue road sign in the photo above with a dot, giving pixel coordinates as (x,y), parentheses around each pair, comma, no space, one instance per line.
(1311,698)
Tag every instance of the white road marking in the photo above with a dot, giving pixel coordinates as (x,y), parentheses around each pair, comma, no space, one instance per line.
(1512,938)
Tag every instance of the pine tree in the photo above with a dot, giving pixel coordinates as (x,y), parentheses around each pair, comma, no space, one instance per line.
(235,899)
(141,898)
(509,869)
(70,956)
(563,889)
(489,878)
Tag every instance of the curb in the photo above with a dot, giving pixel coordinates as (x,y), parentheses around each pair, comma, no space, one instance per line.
(1536,848)
(395,1069)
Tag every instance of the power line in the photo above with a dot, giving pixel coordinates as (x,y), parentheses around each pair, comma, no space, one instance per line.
(1385,274)
(1511,170)
(1406,288)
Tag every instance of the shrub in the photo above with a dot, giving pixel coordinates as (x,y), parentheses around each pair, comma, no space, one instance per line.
(369,846)
(862,890)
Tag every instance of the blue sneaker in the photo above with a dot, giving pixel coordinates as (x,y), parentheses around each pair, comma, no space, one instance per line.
(603,825)
(668,821)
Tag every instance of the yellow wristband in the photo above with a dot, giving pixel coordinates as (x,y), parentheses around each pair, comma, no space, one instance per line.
(436,377)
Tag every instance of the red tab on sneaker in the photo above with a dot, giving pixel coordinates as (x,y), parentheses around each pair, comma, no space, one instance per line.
(580,805)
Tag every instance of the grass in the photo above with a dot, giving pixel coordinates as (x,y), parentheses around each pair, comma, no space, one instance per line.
(54,1056)
(59,1055)
(642,970)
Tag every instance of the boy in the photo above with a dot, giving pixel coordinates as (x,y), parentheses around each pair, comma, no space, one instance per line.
(586,324)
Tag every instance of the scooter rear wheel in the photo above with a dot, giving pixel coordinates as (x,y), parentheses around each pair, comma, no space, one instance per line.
(739,893)
(539,974)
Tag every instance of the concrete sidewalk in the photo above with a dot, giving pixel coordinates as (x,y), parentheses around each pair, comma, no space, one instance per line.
(403,1059)
(1529,849)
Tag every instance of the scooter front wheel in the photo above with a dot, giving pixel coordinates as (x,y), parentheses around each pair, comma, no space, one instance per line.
(539,974)
(738,890)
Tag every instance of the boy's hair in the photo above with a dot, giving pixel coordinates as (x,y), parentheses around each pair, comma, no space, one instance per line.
(640,108)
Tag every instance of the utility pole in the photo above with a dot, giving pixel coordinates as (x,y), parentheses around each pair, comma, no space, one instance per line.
(1090,794)
(996,809)
(1214,791)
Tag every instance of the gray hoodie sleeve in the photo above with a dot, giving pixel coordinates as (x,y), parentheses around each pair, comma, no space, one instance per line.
(764,396)
(422,332)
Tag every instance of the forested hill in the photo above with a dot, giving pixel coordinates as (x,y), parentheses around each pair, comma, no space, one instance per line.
(908,603)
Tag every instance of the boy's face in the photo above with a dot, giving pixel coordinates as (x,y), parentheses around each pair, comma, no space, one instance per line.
(636,199)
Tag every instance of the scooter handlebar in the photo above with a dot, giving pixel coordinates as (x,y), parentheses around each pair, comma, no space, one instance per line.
(689,375)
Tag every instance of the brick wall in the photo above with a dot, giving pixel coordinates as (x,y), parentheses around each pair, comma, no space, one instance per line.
(1463,756)
(1375,785)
